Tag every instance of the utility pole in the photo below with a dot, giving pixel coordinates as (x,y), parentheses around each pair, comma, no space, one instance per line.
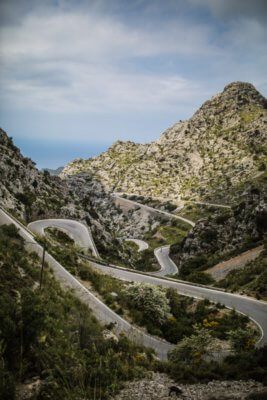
(42,267)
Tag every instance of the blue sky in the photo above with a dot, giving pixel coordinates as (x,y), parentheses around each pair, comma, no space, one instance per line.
(78,75)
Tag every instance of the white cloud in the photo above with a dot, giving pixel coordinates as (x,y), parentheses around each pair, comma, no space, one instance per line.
(67,35)
(95,90)
(74,62)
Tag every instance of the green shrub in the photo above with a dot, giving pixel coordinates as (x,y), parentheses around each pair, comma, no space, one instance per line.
(192,264)
(200,277)
(208,235)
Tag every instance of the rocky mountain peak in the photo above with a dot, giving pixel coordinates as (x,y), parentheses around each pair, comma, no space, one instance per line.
(220,146)
(243,90)
(236,96)
(239,94)
(237,105)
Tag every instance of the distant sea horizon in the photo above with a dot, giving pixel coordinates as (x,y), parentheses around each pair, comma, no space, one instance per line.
(54,154)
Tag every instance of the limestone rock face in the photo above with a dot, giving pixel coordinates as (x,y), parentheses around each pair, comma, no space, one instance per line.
(32,194)
(25,190)
(223,144)
(109,224)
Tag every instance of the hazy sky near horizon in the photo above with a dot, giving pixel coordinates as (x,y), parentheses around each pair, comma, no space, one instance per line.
(78,75)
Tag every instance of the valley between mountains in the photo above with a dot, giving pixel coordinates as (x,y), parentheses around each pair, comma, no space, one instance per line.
(155,259)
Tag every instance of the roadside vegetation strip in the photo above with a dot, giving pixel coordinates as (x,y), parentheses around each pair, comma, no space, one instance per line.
(140,243)
(152,275)
(7,218)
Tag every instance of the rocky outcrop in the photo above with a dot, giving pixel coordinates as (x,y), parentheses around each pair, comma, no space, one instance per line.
(222,145)
(25,190)
(109,224)
(239,228)
(157,387)
(32,194)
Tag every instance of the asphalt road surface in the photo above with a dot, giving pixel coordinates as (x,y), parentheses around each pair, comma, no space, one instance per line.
(209,204)
(79,232)
(167,266)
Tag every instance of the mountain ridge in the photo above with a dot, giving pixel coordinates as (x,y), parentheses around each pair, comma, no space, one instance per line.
(220,146)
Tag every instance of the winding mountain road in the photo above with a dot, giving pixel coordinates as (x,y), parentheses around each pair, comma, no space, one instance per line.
(167,266)
(76,230)
(122,200)
(103,313)
(256,310)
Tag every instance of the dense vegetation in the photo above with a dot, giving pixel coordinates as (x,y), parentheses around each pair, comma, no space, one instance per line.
(49,334)
(163,312)
(194,212)
(59,235)
(193,359)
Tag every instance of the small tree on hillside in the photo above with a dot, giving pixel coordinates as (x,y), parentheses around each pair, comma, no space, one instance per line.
(242,339)
(149,299)
(193,348)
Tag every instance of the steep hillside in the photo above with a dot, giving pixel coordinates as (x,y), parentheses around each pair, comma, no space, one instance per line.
(245,223)
(51,345)
(29,193)
(220,237)
(222,145)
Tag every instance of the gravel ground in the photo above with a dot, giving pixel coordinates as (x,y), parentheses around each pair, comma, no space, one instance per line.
(158,385)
